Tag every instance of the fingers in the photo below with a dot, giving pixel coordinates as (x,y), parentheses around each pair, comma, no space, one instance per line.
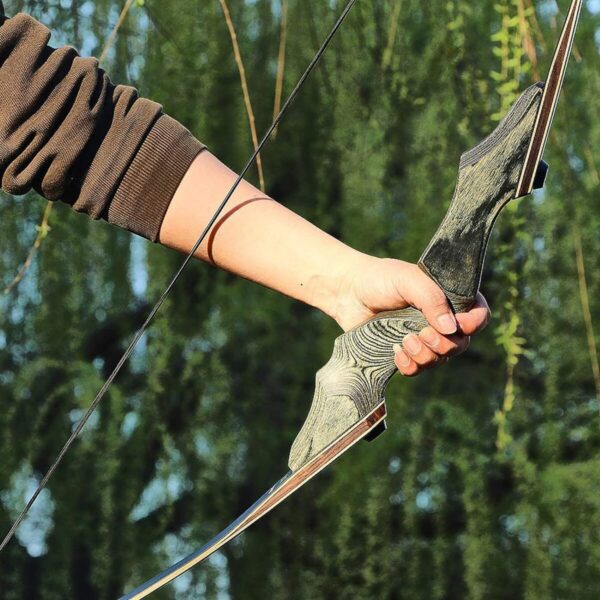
(444,346)
(414,356)
(476,319)
(430,348)
(429,298)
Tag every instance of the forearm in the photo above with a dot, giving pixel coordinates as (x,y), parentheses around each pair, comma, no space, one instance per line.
(69,133)
(116,156)
(256,237)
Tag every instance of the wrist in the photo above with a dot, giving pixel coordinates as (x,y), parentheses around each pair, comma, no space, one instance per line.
(332,289)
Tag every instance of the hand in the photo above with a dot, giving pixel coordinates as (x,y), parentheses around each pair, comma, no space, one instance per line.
(378,285)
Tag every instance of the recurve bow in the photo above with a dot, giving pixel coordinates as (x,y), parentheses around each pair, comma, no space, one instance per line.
(349,403)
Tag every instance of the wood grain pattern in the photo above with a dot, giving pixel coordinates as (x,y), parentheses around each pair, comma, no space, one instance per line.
(352,383)
(487,181)
(362,364)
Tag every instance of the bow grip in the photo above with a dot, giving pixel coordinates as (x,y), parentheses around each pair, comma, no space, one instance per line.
(352,384)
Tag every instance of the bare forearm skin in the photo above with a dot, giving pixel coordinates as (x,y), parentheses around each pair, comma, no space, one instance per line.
(261,240)
(256,237)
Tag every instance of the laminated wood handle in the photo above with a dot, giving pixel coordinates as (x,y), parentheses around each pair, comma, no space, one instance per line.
(352,384)
(488,179)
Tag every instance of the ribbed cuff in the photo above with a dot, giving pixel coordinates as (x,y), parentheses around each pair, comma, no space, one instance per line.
(143,197)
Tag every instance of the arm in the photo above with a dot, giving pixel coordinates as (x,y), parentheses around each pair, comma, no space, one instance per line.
(256,238)
(69,133)
(261,240)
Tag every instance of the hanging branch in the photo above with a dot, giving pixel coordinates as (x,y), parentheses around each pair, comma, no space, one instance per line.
(245,91)
(584,297)
(391,37)
(526,11)
(44,228)
(536,25)
(512,46)
(584,294)
(280,62)
(115,31)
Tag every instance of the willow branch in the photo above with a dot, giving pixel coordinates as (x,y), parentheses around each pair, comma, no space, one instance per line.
(43,230)
(585,306)
(392,33)
(528,42)
(245,91)
(44,227)
(280,62)
(113,34)
(583,284)
(511,49)
(592,164)
(536,23)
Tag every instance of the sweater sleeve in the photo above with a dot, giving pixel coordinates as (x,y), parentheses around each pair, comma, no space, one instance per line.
(68,133)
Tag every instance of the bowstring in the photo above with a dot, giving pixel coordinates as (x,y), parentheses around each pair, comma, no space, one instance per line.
(142,330)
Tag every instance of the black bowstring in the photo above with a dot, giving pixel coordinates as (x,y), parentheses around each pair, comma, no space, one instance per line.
(142,330)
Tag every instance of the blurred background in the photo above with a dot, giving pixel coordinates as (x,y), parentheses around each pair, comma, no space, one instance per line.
(487,483)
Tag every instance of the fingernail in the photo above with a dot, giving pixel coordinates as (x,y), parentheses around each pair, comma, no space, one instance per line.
(403,359)
(431,338)
(447,323)
(413,344)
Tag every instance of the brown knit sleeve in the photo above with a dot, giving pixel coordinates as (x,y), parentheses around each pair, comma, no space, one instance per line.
(67,132)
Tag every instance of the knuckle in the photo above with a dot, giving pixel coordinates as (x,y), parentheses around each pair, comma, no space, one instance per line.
(437,299)
(421,357)
(432,297)
(448,348)
(411,371)
(426,357)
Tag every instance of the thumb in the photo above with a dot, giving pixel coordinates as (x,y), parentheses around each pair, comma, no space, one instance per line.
(429,298)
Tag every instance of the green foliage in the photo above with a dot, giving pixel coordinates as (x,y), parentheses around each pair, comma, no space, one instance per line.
(508,48)
(486,484)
